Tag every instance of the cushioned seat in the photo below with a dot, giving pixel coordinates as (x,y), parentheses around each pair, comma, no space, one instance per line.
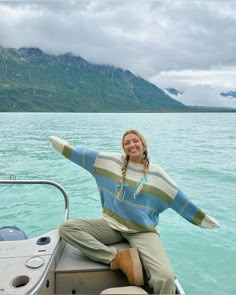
(124,290)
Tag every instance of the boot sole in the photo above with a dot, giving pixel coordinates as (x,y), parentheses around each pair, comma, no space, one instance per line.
(137,267)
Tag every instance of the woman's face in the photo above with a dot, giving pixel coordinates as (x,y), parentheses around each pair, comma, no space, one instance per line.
(133,147)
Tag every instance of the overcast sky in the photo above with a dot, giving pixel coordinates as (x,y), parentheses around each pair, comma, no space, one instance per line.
(188,45)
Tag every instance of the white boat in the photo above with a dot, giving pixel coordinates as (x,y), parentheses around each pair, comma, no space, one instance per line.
(47,265)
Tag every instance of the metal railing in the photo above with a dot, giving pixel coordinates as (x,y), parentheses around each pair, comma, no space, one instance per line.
(13,180)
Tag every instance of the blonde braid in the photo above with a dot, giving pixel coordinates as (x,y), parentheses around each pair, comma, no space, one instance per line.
(146,163)
(123,174)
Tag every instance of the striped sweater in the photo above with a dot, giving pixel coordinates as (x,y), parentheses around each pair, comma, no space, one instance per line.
(133,212)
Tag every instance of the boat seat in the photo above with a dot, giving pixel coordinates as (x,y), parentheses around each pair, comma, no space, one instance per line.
(124,290)
(72,260)
(77,274)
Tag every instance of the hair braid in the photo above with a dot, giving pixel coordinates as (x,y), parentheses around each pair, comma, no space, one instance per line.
(123,174)
(146,162)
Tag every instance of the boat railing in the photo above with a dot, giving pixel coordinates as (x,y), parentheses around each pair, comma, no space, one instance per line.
(13,180)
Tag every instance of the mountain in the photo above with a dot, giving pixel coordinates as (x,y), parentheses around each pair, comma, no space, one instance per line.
(229,93)
(173,91)
(31,80)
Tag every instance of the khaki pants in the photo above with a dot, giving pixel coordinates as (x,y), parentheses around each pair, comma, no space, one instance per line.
(92,235)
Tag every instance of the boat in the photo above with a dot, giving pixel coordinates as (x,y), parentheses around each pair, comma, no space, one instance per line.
(46,264)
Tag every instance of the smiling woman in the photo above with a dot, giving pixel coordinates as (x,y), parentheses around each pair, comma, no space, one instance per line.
(134,146)
(133,193)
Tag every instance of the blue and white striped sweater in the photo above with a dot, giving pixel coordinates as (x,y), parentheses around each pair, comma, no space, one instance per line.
(140,214)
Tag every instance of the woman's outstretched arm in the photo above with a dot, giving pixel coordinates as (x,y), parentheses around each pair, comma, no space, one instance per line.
(187,209)
(81,156)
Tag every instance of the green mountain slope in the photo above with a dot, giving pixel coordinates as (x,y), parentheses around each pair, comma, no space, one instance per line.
(33,81)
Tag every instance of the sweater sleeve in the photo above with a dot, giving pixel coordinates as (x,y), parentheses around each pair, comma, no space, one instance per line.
(188,210)
(81,156)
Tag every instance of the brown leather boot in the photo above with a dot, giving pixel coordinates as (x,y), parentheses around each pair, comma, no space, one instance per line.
(129,263)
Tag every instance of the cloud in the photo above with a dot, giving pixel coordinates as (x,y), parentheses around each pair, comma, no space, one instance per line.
(200,87)
(153,39)
(205,95)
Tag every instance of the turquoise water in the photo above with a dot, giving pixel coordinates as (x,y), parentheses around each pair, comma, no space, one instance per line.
(197,150)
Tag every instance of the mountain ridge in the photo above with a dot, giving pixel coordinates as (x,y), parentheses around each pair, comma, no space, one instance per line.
(31,80)
(34,81)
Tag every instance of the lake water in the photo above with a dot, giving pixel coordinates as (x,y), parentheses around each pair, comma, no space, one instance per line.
(198,150)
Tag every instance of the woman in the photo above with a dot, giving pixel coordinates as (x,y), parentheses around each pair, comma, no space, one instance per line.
(133,193)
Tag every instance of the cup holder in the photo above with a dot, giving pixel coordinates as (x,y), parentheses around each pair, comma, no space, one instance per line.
(20,281)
